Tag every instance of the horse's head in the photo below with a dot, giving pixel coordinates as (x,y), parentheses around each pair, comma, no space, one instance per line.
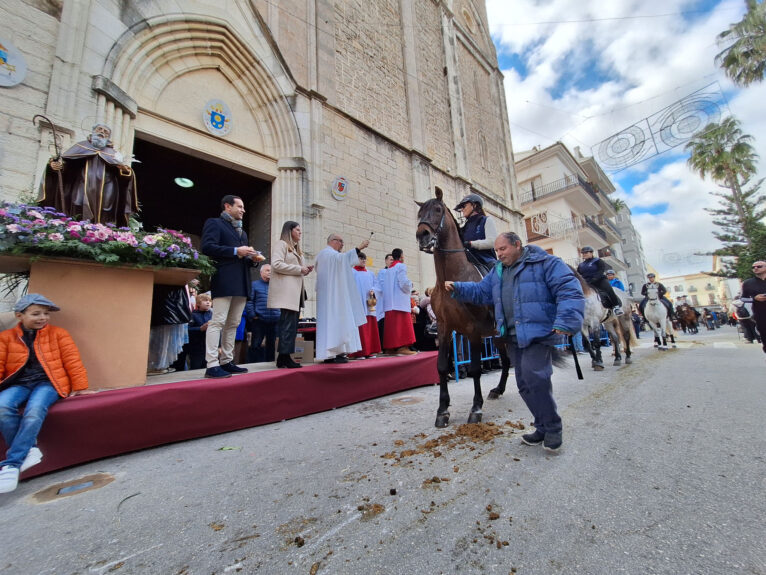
(432,216)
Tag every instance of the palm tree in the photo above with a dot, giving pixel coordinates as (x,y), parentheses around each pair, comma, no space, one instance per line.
(744,61)
(724,153)
(618,204)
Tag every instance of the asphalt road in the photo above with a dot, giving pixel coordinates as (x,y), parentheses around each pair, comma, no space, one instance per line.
(662,471)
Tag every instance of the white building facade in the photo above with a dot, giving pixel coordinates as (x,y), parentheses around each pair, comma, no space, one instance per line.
(566,205)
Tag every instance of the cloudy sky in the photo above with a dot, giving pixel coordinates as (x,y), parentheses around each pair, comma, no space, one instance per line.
(581,71)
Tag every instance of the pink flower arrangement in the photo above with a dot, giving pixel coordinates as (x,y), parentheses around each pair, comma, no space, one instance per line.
(43,231)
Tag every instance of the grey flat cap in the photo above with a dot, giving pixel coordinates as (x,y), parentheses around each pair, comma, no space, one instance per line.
(34,299)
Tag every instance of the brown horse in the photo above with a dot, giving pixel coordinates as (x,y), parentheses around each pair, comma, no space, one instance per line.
(687,317)
(438,234)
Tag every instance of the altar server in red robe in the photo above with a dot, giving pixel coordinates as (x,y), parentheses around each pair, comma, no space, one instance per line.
(368,333)
(398,333)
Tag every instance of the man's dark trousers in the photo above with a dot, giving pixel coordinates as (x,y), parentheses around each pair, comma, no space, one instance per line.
(261,330)
(748,330)
(760,322)
(533,369)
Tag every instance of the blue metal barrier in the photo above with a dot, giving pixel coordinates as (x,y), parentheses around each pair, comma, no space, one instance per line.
(461,349)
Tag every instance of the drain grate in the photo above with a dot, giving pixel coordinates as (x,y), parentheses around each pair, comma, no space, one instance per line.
(73,487)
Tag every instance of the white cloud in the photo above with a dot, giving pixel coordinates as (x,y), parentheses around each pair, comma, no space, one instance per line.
(651,63)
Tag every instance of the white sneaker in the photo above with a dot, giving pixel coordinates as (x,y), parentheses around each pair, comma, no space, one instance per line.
(34,457)
(9,478)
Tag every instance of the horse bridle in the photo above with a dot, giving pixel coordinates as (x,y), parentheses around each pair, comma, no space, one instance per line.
(434,243)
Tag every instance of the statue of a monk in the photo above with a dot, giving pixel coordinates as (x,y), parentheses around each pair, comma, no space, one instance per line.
(91,181)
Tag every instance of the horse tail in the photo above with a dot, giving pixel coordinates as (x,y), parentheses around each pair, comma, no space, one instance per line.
(631,334)
(559,357)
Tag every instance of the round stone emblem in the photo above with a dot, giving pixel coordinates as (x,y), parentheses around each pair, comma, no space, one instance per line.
(217,117)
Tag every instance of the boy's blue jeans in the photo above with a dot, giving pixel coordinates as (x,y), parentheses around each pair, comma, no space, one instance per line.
(20,431)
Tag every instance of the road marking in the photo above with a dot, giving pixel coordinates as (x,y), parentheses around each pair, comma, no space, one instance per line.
(354,516)
(104,568)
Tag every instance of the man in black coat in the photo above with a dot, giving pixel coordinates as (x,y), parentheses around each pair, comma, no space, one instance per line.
(224,240)
(754,290)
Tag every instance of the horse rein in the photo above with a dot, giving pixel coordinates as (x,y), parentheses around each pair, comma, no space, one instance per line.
(435,244)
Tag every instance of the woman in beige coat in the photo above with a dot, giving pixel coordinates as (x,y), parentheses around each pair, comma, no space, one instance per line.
(286,290)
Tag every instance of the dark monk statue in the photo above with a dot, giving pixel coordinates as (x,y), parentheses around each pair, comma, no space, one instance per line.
(91,181)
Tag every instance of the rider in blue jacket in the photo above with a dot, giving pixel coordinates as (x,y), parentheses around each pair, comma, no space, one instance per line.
(593,269)
(614,281)
(478,231)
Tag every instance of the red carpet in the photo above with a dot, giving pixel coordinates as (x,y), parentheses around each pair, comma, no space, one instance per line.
(108,423)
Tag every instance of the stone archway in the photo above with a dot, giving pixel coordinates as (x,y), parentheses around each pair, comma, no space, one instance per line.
(160,72)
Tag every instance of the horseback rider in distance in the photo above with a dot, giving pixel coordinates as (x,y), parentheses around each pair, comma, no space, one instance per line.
(478,232)
(661,291)
(594,269)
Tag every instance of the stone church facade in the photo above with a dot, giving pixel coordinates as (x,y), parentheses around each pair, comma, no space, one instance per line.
(388,97)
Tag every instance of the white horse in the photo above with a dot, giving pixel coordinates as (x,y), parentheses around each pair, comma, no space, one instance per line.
(656,315)
(619,328)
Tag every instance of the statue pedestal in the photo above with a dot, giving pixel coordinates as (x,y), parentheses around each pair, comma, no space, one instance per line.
(106,309)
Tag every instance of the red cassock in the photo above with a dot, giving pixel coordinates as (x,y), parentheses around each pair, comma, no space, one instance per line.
(398,330)
(368,334)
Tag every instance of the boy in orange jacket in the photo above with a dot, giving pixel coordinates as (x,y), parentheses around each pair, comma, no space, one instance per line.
(39,363)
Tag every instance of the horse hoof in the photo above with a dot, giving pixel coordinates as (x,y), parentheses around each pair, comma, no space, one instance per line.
(474,417)
(628,360)
(598,367)
(442,420)
(494,394)
(617,362)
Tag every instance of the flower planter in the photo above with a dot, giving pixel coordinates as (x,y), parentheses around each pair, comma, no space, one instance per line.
(106,309)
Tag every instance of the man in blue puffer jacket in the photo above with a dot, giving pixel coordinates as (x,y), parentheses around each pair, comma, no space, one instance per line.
(262,320)
(537,299)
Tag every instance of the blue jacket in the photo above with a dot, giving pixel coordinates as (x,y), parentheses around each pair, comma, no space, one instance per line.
(256,304)
(196,335)
(547,295)
(232,277)
(474,230)
(615,283)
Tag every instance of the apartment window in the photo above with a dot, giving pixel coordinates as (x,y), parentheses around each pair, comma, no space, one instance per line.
(709,287)
(678,288)
(695,300)
(711,298)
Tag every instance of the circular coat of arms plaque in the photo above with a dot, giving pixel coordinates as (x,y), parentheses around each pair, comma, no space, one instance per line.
(217,117)
(13,68)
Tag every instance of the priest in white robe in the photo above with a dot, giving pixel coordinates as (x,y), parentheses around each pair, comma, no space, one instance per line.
(339,309)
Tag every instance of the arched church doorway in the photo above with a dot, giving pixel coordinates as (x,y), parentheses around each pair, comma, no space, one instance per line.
(178,190)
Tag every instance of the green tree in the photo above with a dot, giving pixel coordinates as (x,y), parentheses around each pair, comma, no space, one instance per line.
(724,153)
(744,60)
(732,236)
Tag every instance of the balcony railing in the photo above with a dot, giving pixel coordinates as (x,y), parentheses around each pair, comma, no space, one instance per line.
(623,263)
(595,227)
(536,193)
(611,226)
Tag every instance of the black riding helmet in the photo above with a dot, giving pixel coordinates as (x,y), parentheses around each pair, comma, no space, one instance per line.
(586,249)
(472,199)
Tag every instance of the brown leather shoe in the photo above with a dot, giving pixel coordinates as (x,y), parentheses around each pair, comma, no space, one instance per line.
(405,351)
